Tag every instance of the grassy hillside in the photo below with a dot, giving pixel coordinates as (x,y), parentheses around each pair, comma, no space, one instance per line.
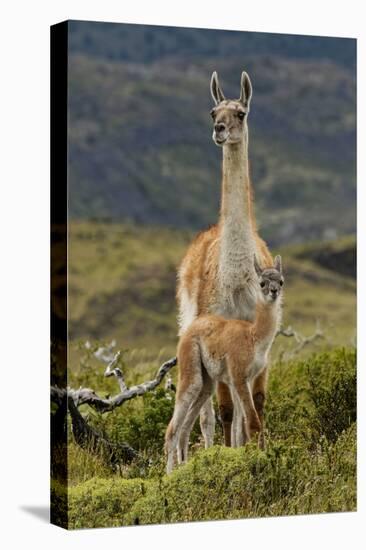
(140,146)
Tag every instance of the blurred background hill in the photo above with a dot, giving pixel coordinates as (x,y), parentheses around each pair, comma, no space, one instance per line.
(140,147)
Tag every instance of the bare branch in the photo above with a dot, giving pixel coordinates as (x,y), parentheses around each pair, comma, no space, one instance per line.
(301,340)
(105,353)
(289,332)
(113,370)
(86,436)
(88,396)
(169,385)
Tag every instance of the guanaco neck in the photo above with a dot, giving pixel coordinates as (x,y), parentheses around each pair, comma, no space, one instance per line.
(237,244)
(236,189)
(236,192)
(267,321)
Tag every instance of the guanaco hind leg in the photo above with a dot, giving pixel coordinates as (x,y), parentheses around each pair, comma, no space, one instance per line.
(226,410)
(259,396)
(243,393)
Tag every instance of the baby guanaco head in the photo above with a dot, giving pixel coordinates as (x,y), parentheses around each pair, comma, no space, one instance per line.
(270,280)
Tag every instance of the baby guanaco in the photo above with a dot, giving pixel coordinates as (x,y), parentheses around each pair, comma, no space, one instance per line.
(232,351)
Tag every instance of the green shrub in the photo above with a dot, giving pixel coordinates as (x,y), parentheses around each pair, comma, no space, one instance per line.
(330,486)
(143,424)
(311,398)
(309,465)
(145,429)
(83,465)
(335,399)
(226,483)
(103,502)
(230,483)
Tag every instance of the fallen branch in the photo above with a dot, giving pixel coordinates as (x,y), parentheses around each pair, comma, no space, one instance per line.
(88,438)
(169,384)
(88,396)
(113,370)
(104,353)
(301,340)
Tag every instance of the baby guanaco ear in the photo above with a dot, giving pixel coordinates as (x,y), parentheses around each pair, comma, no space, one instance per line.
(216,92)
(278,264)
(257,267)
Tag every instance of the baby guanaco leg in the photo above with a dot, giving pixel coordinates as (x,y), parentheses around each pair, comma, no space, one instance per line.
(194,411)
(188,390)
(183,402)
(207,422)
(242,389)
(239,435)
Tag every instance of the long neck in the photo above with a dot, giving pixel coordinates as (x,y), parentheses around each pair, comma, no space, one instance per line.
(236,217)
(236,188)
(267,320)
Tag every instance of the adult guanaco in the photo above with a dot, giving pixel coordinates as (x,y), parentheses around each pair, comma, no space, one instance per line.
(217,273)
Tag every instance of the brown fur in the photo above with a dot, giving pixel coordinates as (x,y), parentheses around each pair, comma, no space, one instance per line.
(231,349)
(199,266)
(198,272)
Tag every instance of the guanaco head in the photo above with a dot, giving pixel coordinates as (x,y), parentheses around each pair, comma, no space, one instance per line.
(270,279)
(230,115)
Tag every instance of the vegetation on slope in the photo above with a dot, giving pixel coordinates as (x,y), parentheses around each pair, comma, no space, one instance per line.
(122,275)
(309,465)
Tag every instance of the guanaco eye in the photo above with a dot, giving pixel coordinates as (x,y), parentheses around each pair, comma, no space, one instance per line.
(241,115)
(263,284)
(212,113)
(281,283)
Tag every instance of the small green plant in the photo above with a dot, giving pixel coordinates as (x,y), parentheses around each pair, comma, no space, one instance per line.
(334,402)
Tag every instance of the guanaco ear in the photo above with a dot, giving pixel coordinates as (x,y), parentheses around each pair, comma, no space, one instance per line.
(216,92)
(278,264)
(245,89)
(257,267)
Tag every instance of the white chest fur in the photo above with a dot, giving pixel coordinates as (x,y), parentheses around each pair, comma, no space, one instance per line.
(260,360)
(237,284)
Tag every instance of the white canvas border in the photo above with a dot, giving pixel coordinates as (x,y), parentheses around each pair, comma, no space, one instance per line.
(25,265)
